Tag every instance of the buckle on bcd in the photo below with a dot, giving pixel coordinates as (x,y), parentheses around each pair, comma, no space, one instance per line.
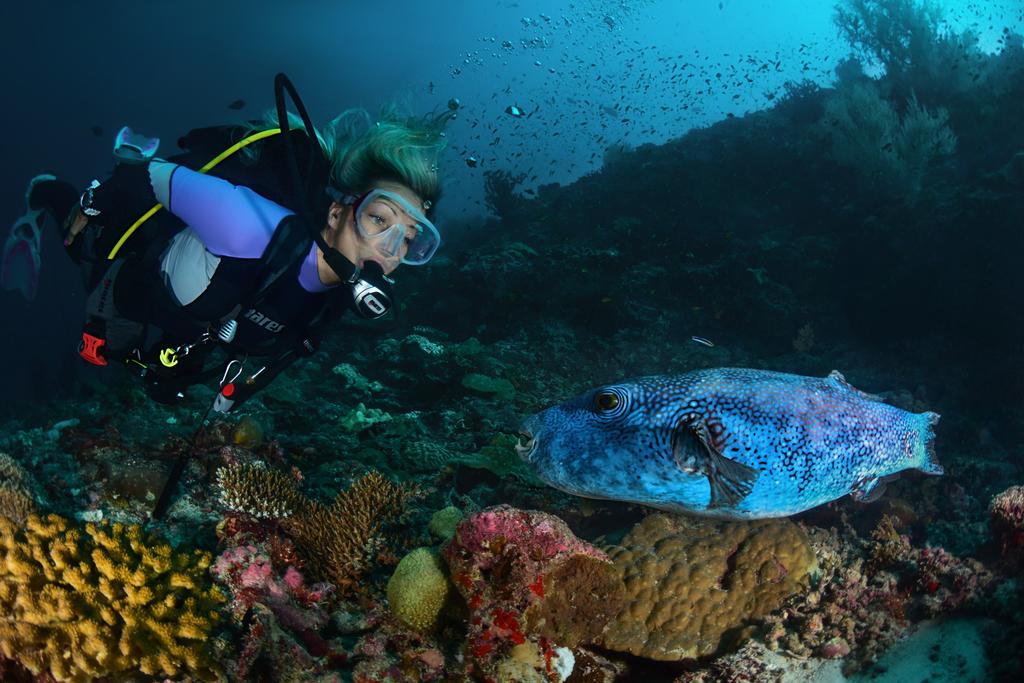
(91,349)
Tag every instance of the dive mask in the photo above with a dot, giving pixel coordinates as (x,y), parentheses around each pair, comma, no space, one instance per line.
(389,222)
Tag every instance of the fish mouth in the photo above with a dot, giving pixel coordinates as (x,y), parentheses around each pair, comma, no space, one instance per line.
(527,444)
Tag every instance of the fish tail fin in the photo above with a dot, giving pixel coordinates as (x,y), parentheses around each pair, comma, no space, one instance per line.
(929,461)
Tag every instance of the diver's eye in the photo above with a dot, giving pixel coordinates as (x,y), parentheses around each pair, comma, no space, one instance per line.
(606,401)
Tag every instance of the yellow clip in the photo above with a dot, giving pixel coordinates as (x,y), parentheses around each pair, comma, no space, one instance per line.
(168,358)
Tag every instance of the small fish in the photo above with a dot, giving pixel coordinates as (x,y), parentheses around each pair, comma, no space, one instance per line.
(237,104)
(702,340)
(472,162)
(732,443)
(513,111)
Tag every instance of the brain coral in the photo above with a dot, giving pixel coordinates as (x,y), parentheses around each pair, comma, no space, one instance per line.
(418,589)
(690,581)
(109,602)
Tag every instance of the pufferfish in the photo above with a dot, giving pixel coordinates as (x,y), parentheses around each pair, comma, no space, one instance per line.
(732,443)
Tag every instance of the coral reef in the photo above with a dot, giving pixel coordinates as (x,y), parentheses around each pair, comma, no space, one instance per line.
(281,614)
(690,583)
(525,576)
(109,601)
(339,540)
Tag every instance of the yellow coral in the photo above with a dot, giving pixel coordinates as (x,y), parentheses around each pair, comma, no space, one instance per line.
(116,602)
(418,589)
(690,581)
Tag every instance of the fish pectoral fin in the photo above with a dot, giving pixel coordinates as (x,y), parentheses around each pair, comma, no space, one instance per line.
(730,481)
(869,489)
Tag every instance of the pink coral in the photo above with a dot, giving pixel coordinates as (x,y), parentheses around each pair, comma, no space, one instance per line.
(519,572)
(249,574)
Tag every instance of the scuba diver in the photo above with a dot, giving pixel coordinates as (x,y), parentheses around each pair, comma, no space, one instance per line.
(269,233)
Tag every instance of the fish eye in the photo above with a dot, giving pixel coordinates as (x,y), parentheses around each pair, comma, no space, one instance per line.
(606,400)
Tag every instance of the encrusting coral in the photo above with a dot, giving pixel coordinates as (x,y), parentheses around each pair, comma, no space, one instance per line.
(689,582)
(527,578)
(108,601)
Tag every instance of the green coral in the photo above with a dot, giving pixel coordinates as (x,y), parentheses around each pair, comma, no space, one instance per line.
(500,457)
(110,602)
(490,386)
(354,379)
(361,417)
(443,522)
(418,589)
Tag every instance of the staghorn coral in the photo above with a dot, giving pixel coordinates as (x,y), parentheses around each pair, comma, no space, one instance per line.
(258,491)
(340,540)
(108,601)
(689,582)
(16,499)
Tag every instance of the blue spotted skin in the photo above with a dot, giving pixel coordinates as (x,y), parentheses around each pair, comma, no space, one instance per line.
(811,440)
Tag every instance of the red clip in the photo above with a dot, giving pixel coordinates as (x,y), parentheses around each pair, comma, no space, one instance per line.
(228,389)
(91,348)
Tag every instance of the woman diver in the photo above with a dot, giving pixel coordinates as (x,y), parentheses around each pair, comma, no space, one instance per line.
(252,254)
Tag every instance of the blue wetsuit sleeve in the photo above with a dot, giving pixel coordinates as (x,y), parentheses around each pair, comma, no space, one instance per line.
(231,220)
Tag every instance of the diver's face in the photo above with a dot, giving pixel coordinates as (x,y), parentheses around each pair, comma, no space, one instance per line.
(380,228)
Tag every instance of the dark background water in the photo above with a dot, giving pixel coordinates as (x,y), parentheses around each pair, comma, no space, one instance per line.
(590,76)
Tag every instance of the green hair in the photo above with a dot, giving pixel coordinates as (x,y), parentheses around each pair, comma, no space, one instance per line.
(396,147)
